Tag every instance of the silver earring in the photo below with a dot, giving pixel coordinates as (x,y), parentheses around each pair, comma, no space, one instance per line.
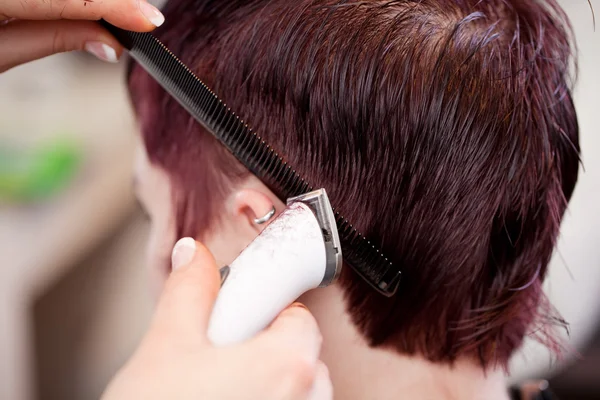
(267,217)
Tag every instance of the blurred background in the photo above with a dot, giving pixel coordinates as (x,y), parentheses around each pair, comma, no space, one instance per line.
(74,291)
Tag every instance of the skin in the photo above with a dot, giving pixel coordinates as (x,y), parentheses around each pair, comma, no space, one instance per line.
(357,371)
(175,360)
(34,29)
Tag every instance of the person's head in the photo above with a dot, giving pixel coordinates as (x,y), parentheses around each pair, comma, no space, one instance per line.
(443,130)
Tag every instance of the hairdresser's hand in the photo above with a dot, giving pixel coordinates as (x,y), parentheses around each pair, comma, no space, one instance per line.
(32,29)
(176,360)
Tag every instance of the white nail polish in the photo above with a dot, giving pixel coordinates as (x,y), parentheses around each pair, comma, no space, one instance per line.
(152,13)
(102,51)
(183,252)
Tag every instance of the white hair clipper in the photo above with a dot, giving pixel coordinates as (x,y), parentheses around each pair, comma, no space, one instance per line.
(299,251)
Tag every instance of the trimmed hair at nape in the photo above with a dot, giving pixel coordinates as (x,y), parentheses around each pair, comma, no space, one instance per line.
(444,130)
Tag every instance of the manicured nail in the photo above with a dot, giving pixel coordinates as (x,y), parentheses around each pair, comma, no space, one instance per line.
(152,13)
(299,305)
(102,51)
(183,252)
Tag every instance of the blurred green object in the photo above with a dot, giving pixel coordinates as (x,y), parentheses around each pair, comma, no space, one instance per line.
(35,174)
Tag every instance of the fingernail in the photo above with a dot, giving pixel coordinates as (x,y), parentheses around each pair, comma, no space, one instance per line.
(300,305)
(152,13)
(102,51)
(183,252)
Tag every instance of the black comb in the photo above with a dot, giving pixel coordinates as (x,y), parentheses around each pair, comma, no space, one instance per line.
(179,81)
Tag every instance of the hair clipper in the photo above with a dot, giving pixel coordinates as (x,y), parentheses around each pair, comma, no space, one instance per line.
(299,251)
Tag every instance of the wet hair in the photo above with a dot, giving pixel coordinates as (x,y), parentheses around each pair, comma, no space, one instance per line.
(444,130)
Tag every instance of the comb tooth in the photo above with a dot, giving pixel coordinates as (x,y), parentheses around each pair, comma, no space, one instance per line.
(204,103)
(233,128)
(263,157)
(268,166)
(211,109)
(221,123)
(219,120)
(259,155)
(251,149)
(213,113)
(285,177)
(250,142)
(306,188)
(227,126)
(289,178)
(245,143)
(256,153)
(297,184)
(237,137)
(193,91)
(293,184)
(302,188)
(278,171)
(281,174)
(271,163)
(220,114)
(238,140)
(239,132)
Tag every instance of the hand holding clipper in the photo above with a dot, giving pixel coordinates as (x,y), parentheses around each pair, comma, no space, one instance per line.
(297,252)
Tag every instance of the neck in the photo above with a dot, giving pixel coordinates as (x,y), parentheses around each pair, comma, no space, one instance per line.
(361,372)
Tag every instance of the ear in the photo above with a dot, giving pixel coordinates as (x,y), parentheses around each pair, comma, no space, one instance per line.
(249,204)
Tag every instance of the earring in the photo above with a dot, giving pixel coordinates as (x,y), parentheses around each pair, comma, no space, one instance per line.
(267,217)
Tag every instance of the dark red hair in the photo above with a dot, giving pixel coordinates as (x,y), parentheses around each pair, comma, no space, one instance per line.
(444,130)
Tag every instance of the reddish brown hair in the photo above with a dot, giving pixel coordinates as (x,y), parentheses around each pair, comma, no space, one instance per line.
(444,130)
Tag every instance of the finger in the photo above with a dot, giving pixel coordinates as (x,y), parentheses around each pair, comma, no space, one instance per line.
(136,15)
(24,41)
(322,387)
(190,292)
(295,328)
(290,349)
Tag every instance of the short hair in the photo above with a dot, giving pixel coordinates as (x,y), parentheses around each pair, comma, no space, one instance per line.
(444,130)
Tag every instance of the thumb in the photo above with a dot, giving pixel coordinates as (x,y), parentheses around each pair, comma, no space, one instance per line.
(26,41)
(190,292)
